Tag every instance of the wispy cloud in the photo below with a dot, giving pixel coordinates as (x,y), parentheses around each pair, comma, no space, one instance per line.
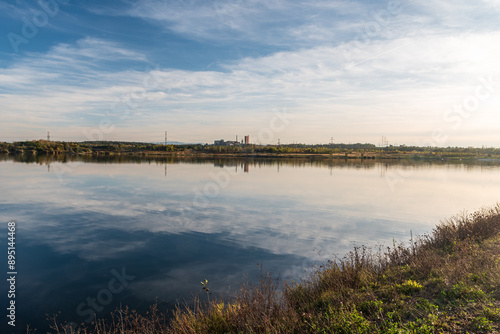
(279,23)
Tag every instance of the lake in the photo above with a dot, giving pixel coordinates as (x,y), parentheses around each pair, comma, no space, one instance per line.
(92,234)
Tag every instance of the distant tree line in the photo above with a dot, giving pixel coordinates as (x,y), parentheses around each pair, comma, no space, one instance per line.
(112,147)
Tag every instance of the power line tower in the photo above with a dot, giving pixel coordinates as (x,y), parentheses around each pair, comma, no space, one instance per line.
(165,138)
(48,136)
(384,142)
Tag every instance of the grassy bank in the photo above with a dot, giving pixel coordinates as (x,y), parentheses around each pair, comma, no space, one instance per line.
(444,282)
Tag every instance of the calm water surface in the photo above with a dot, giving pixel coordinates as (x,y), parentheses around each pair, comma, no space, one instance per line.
(94,234)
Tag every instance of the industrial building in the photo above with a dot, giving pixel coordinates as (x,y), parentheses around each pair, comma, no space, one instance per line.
(222,142)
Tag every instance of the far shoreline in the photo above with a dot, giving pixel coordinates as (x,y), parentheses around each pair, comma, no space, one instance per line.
(356,151)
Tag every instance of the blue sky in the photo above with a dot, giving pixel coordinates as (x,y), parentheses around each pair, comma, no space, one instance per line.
(418,73)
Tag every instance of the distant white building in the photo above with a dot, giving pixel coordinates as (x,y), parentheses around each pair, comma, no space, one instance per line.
(222,142)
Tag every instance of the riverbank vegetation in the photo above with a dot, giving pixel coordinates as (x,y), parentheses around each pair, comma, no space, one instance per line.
(347,151)
(445,282)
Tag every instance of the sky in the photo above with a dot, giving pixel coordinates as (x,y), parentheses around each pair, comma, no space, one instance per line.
(420,73)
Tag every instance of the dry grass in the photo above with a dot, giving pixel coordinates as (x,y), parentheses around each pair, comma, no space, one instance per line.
(257,308)
(121,321)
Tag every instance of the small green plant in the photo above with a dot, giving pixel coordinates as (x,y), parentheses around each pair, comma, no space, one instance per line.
(346,321)
(409,287)
(426,306)
(464,292)
(371,307)
(492,314)
(205,287)
(482,324)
